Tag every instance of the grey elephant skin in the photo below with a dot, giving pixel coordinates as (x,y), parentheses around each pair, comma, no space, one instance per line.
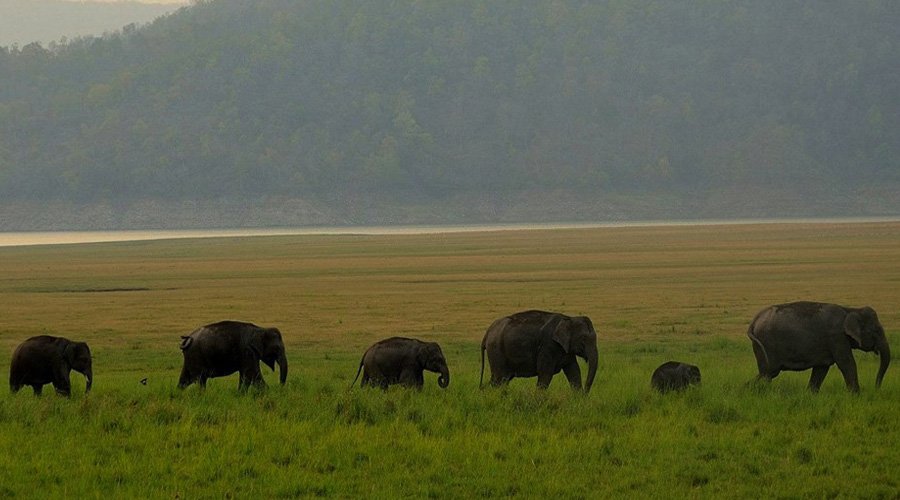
(814,335)
(674,376)
(48,360)
(540,344)
(401,360)
(220,349)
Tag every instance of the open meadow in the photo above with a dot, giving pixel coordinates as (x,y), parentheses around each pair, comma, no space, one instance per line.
(654,294)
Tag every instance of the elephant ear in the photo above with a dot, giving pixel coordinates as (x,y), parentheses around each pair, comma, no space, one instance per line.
(562,335)
(69,353)
(853,327)
(426,352)
(255,346)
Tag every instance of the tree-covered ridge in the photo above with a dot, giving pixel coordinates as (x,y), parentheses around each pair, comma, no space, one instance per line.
(297,97)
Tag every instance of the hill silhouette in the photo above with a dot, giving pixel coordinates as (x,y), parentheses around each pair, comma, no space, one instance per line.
(373,111)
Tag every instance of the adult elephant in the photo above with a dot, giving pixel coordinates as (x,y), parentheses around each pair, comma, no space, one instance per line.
(401,360)
(539,343)
(803,335)
(48,360)
(220,349)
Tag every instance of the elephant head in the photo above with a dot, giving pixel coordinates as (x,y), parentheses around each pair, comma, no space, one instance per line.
(431,358)
(693,374)
(867,334)
(577,336)
(78,356)
(269,347)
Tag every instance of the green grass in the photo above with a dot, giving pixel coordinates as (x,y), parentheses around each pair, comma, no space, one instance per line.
(655,294)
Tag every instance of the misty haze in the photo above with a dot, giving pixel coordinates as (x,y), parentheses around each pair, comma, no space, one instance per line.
(53,21)
(284,113)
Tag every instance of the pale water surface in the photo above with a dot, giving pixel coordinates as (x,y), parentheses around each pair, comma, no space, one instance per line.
(76,237)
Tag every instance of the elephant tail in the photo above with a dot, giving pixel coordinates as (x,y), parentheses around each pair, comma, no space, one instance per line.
(358,371)
(186,342)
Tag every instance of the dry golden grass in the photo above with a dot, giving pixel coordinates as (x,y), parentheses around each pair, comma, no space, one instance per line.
(654,293)
(635,283)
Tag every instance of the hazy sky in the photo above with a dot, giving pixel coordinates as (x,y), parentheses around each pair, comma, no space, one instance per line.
(139,1)
(25,21)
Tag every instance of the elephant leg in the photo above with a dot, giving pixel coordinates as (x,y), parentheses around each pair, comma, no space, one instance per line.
(186,378)
(374,378)
(544,379)
(818,375)
(254,379)
(202,381)
(63,387)
(15,387)
(250,374)
(764,372)
(847,366)
(573,373)
(547,368)
(408,377)
(765,377)
(61,382)
(38,389)
(418,379)
(500,372)
(502,377)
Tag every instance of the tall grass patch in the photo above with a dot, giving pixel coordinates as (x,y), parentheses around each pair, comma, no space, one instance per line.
(654,294)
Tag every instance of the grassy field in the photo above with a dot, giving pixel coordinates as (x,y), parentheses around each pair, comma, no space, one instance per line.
(654,294)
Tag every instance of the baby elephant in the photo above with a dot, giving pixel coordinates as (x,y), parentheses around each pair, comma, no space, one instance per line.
(400,360)
(48,360)
(674,376)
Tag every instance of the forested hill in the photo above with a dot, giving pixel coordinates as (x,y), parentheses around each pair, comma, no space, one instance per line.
(618,108)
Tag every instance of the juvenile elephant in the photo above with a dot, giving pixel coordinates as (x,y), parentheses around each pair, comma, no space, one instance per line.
(803,335)
(220,349)
(538,343)
(48,360)
(674,376)
(400,360)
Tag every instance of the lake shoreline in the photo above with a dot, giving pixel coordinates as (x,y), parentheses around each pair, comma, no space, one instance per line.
(341,210)
(45,238)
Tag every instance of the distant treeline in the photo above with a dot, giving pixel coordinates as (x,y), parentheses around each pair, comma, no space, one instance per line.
(299,97)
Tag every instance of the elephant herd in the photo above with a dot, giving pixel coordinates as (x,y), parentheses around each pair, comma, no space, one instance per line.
(787,337)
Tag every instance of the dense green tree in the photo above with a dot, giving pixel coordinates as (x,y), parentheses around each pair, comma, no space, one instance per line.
(303,97)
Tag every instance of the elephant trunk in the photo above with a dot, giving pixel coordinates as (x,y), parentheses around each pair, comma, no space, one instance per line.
(591,357)
(444,379)
(89,375)
(884,351)
(282,367)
